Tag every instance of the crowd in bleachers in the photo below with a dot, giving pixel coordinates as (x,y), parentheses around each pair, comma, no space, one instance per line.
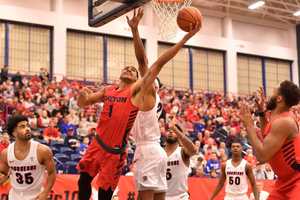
(210,118)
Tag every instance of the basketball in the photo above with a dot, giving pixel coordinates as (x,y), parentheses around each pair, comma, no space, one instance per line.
(187,16)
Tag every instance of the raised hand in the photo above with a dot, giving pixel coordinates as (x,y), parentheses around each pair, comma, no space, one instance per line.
(260,99)
(194,29)
(136,18)
(245,114)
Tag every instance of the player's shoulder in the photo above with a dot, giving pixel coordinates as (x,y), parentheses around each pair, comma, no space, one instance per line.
(284,121)
(43,149)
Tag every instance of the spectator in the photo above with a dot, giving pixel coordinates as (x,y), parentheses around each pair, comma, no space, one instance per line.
(51,133)
(4,141)
(43,120)
(83,145)
(4,74)
(71,140)
(251,159)
(213,164)
(269,173)
(259,172)
(65,126)
(82,130)
(17,79)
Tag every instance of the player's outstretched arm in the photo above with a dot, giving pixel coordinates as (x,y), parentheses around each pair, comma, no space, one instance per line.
(251,178)
(4,168)
(87,97)
(220,184)
(46,159)
(152,73)
(189,149)
(138,44)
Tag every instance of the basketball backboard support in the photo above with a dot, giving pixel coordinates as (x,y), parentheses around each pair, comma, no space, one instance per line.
(104,11)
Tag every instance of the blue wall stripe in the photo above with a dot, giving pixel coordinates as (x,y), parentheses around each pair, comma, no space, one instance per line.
(225,72)
(6,45)
(105,59)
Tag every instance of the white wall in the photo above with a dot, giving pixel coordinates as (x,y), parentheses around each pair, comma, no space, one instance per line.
(226,34)
(260,34)
(31,4)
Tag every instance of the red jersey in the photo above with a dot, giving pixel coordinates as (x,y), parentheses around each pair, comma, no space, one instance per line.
(286,162)
(117,116)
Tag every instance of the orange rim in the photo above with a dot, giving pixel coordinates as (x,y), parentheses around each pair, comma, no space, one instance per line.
(169,1)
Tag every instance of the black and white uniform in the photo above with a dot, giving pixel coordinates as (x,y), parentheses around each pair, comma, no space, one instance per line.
(177,177)
(150,157)
(26,176)
(236,181)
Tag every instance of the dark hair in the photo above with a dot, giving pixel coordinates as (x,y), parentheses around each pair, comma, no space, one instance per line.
(13,122)
(236,140)
(290,93)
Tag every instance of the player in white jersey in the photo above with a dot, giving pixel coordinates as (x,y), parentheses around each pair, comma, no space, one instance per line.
(25,162)
(236,173)
(150,158)
(178,162)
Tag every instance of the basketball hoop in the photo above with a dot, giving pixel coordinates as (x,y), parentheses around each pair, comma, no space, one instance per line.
(167,11)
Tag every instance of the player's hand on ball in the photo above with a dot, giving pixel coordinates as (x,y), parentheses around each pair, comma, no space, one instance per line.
(245,114)
(194,29)
(136,18)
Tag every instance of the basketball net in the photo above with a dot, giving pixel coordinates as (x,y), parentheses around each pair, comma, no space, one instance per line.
(167,11)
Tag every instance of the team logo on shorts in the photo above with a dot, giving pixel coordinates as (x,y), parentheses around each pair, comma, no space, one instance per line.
(145,178)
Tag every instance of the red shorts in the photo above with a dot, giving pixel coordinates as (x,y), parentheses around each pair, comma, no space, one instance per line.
(109,165)
(286,190)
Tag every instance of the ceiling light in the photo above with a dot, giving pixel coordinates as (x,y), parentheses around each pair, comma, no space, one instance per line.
(297,13)
(256,5)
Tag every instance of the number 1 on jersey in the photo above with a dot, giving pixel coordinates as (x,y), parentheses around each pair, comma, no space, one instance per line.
(110,110)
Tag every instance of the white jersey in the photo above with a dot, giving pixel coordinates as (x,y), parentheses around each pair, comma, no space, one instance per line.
(236,178)
(146,127)
(150,157)
(177,176)
(26,176)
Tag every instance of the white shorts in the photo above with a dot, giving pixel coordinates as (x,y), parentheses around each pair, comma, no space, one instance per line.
(184,196)
(26,195)
(151,165)
(236,197)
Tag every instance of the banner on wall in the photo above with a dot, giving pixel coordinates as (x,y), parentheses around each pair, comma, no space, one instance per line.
(65,188)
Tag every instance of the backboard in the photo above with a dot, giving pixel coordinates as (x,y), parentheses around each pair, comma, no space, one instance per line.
(104,11)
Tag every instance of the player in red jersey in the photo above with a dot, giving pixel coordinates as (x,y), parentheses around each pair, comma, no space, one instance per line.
(107,152)
(281,140)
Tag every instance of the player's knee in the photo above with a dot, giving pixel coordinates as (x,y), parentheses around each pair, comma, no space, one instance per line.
(84,179)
